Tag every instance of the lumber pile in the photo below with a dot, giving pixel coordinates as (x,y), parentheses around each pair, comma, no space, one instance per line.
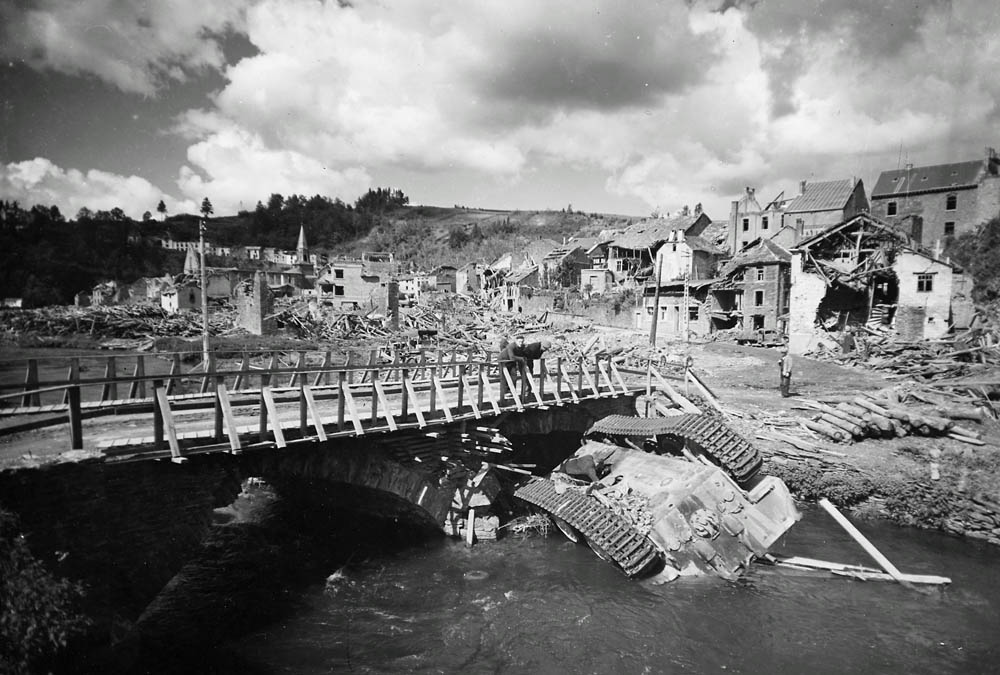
(888,415)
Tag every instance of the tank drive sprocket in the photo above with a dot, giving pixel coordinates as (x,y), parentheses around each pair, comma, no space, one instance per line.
(708,435)
(603,529)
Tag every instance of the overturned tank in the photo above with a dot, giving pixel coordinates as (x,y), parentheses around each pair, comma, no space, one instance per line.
(674,496)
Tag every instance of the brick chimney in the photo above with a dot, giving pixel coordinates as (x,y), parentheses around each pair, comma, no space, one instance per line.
(802,187)
(697,209)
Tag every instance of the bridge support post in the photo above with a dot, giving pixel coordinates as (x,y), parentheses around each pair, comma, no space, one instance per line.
(303,408)
(109,391)
(265,380)
(461,388)
(341,403)
(138,386)
(405,408)
(220,382)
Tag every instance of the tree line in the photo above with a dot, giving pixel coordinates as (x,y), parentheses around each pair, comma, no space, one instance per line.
(49,258)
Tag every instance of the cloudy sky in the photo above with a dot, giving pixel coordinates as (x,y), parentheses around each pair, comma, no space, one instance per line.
(608,106)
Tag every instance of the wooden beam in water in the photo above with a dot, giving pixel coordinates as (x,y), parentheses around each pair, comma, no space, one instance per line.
(869,547)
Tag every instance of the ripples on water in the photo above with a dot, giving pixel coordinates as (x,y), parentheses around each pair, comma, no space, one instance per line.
(547,606)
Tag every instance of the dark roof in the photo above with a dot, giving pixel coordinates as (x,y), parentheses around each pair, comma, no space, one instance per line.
(652,231)
(927,179)
(761,252)
(829,195)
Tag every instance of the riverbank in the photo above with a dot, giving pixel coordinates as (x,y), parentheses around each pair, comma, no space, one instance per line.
(889,478)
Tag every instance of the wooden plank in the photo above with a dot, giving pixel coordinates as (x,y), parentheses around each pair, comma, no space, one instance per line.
(300,365)
(109,390)
(168,424)
(30,384)
(386,411)
(869,548)
(75,418)
(341,386)
(674,395)
(441,398)
(137,389)
(569,384)
(244,376)
(618,377)
(272,411)
(866,573)
(487,390)
(513,390)
(534,388)
(703,390)
(602,366)
(472,401)
(323,376)
(412,395)
(352,410)
(590,382)
(206,381)
(175,371)
(227,416)
(317,419)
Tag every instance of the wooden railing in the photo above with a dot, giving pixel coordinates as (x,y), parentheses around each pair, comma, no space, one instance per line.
(419,391)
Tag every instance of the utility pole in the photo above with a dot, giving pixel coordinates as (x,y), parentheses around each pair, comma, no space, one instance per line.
(204,295)
(656,306)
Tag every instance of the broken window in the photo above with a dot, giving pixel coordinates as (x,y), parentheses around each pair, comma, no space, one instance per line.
(758,298)
(338,290)
(890,209)
(746,224)
(951,202)
(693,313)
(925,283)
(949,228)
(760,274)
(758,321)
(338,274)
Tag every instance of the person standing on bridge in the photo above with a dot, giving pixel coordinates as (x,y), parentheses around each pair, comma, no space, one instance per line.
(529,353)
(508,359)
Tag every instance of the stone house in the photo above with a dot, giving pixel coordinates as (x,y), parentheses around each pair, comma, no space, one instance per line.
(445,278)
(572,256)
(351,284)
(184,296)
(824,204)
(684,256)
(631,255)
(684,309)
(468,279)
(749,222)
(865,271)
(596,281)
(514,284)
(945,199)
(754,288)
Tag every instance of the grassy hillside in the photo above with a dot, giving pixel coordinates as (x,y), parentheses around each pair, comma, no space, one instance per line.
(431,236)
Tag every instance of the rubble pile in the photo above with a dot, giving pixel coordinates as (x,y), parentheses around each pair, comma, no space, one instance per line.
(111,322)
(967,353)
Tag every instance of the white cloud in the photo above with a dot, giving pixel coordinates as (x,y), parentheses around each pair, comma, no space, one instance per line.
(134,45)
(39,181)
(235,169)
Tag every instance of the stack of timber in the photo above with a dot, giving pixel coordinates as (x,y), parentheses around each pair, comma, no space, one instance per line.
(886,416)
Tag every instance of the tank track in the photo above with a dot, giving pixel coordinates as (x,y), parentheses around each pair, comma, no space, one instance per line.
(713,438)
(631,551)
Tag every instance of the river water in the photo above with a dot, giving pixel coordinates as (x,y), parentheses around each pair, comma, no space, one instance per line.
(544,605)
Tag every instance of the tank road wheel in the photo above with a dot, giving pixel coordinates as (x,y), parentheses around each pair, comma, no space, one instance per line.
(566,529)
(609,535)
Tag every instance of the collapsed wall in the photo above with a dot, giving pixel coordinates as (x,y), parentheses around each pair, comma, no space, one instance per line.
(255,306)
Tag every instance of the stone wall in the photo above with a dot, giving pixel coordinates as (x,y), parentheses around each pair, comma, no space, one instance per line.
(922,314)
(807,292)
(254,306)
(932,209)
(604,311)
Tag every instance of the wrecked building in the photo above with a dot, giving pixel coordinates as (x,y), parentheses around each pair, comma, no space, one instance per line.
(255,306)
(749,222)
(350,283)
(754,289)
(631,255)
(865,272)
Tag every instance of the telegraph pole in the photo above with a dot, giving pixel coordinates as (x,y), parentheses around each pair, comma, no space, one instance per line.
(656,306)
(204,295)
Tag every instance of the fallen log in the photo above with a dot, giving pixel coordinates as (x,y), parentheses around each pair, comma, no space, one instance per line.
(833,420)
(826,430)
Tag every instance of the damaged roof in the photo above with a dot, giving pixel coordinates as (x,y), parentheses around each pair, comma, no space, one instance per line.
(939,177)
(829,195)
(863,218)
(652,231)
(761,252)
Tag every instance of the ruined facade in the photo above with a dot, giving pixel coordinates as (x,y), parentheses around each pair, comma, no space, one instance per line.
(864,271)
(255,306)
(683,307)
(946,199)
(631,255)
(749,222)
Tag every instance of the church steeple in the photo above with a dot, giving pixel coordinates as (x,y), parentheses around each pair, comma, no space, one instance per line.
(301,248)
(191,264)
